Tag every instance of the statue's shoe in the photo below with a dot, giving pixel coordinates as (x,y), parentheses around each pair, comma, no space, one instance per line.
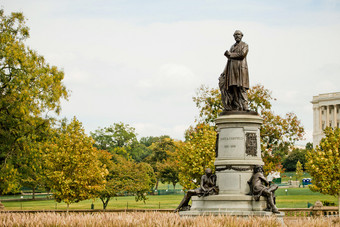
(275,211)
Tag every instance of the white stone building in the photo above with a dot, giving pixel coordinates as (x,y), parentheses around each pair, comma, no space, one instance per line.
(325,113)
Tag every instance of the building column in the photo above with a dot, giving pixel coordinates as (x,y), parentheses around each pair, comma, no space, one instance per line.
(320,119)
(315,119)
(327,116)
(335,117)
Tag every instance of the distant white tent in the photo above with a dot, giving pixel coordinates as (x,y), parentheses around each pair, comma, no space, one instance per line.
(273,175)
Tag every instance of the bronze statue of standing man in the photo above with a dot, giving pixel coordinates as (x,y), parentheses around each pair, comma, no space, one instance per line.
(234,81)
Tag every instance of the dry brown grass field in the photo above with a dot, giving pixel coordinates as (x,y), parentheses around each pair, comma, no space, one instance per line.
(150,219)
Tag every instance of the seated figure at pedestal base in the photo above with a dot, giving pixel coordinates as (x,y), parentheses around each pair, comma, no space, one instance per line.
(259,186)
(207,187)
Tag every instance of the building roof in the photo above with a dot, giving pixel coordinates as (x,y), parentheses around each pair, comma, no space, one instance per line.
(335,96)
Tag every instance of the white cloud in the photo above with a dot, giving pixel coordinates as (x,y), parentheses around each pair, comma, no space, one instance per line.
(149,129)
(170,76)
(145,74)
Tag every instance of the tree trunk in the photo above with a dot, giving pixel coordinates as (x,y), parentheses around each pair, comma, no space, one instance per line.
(174,186)
(68,206)
(339,206)
(102,199)
(105,202)
(156,187)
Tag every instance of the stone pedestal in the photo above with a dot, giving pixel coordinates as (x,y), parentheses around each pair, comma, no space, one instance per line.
(238,151)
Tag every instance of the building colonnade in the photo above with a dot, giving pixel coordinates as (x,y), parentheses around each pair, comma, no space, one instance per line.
(326,113)
(329,116)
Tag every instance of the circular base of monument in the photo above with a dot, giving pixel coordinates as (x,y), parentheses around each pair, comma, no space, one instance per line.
(243,206)
(227,202)
(232,112)
(231,213)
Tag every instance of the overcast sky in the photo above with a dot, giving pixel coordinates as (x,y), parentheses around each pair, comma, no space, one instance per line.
(140,62)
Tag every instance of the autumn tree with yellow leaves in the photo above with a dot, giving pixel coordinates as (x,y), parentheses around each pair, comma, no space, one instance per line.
(29,89)
(73,170)
(196,154)
(323,164)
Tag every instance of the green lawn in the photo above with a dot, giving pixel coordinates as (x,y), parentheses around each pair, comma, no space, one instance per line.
(285,177)
(153,202)
(293,198)
(299,197)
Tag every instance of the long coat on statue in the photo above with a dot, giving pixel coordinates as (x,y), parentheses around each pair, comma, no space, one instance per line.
(236,70)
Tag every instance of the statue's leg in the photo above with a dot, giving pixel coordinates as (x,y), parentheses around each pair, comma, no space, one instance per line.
(268,208)
(186,199)
(184,202)
(235,98)
(270,201)
(272,189)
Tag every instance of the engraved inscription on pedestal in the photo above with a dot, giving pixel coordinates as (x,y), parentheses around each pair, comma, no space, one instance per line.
(229,182)
(231,143)
(251,143)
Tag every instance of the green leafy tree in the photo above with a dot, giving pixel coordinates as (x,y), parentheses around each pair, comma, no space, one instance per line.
(125,177)
(293,157)
(168,172)
(117,135)
(139,152)
(73,170)
(31,167)
(309,146)
(196,154)
(323,164)
(299,170)
(149,140)
(161,151)
(169,168)
(29,89)
(276,131)
(30,161)
(121,139)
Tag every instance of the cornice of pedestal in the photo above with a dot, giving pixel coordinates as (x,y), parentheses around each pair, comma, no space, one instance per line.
(239,118)
(238,162)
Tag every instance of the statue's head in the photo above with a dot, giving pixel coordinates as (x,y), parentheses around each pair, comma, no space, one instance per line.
(238,35)
(258,168)
(208,171)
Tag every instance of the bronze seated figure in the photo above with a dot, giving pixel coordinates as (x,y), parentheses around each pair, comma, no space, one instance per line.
(259,186)
(207,187)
